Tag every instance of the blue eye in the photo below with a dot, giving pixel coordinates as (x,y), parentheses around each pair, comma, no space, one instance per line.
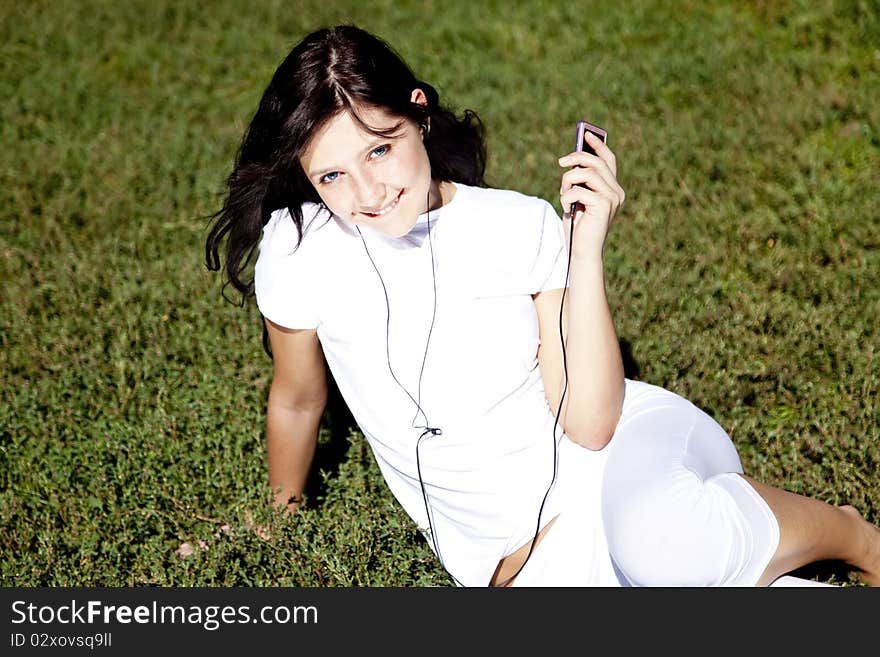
(379,151)
(329,177)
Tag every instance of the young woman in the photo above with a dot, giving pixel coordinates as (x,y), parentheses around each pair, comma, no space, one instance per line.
(468,330)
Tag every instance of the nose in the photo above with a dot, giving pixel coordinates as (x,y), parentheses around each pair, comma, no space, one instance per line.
(369,193)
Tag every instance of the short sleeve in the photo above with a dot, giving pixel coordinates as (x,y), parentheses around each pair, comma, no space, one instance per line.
(550,267)
(283,276)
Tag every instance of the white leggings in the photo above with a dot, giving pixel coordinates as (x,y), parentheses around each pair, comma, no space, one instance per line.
(662,505)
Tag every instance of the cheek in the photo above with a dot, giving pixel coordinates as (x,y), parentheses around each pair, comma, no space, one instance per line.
(420,158)
(415,164)
(335,198)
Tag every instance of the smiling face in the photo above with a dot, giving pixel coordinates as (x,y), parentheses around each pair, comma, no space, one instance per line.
(380,182)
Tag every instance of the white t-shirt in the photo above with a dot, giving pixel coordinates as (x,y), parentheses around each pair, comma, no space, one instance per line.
(486,475)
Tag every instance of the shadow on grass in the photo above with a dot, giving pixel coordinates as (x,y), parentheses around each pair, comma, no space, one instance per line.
(631,369)
(329,454)
(829,572)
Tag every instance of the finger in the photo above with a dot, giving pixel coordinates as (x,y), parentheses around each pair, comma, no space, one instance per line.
(595,180)
(602,150)
(589,199)
(581,159)
(590,179)
(589,161)
(579,175)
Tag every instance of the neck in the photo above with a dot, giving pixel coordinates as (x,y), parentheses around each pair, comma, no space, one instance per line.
(440,194)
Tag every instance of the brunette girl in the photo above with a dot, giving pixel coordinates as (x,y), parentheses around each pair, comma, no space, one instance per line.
(468,330)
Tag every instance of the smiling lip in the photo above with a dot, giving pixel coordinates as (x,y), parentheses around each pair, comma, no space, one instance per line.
(388,208)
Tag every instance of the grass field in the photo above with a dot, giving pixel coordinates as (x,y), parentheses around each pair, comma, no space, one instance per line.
(742,271)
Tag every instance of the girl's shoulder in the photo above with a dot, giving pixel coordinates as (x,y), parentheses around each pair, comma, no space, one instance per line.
(285,271)
(511,240)
(281,238)
(493,212)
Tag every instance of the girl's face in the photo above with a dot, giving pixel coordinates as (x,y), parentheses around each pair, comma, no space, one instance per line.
(380,182)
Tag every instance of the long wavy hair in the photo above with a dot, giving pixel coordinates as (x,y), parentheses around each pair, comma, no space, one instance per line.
(331,70)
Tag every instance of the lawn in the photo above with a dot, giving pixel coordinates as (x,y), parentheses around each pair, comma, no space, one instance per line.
(742,270)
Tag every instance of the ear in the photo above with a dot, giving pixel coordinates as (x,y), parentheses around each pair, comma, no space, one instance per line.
(418,97)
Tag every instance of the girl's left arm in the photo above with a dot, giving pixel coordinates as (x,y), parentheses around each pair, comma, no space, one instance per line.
(594,394)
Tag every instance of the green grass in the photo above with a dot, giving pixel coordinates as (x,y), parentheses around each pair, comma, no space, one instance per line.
(742,271)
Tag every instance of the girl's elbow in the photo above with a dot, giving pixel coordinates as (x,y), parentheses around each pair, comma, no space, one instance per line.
(594,435)
(593,440)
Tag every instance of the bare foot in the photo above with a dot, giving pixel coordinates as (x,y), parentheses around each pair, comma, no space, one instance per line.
(868,566)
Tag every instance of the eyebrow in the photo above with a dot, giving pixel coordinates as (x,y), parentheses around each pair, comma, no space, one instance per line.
(372,145)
